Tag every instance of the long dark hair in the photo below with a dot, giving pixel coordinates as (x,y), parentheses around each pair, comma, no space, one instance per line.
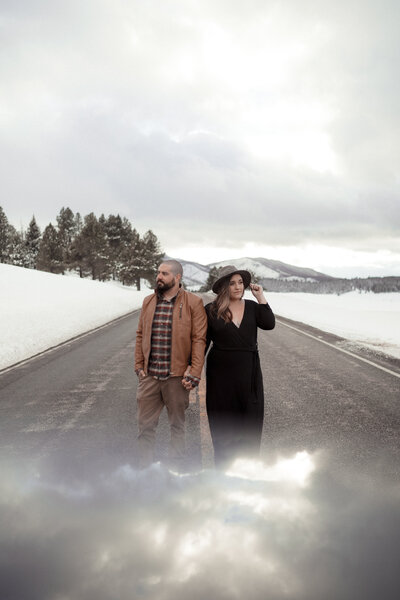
(220,305)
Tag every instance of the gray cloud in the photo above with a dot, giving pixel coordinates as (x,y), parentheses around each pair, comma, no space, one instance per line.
(159,535)
(164,113)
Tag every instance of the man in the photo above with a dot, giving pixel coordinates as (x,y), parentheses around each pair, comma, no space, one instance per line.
(169,357)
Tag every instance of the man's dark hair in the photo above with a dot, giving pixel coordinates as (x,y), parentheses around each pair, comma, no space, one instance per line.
(175,265)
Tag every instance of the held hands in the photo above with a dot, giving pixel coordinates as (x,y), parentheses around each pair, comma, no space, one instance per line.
(187,384)
(258,293)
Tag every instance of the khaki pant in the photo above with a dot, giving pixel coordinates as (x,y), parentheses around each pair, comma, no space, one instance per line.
(152,396)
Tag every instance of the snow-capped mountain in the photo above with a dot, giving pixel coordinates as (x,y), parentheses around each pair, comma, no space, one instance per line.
(265,268)
(195,274)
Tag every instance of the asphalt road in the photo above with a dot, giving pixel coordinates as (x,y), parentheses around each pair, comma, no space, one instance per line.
(73,410)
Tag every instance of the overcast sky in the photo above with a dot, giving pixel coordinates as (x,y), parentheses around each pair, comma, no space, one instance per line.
(230,128)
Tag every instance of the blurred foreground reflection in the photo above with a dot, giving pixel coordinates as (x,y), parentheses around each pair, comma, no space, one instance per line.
(291,529)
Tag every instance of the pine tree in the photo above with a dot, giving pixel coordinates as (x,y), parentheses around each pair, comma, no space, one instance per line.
(114,232)
(131,261)
(152,256)
(141,259)
(211,279)
(50,257)
(93,247)
(17,248)
(66,231)
(4,237)
(76,250)
(77,254)
(78,224)
(12,246)
(129,239)
(32,243)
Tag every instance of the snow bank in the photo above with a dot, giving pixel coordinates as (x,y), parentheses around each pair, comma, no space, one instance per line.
(39,310)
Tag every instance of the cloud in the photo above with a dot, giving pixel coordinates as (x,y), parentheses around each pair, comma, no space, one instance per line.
(278,121)
(292,529)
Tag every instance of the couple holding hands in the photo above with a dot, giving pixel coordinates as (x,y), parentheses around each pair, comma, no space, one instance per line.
(175,332)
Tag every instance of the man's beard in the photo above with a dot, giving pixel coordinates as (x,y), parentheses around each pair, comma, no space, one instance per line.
(163,287)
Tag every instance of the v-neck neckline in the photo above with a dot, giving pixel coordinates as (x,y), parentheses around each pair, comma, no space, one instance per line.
(241,320)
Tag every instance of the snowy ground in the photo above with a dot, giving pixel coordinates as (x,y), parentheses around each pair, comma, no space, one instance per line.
(39,310)
(369,319)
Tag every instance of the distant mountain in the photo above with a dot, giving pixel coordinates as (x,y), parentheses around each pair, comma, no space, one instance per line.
(277,276)
(265,268)
(195,274)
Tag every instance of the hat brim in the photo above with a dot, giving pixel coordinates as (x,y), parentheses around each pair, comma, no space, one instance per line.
(245,275)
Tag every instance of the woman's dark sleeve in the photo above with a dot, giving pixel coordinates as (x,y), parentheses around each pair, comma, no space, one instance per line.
(208,337)
(264,316)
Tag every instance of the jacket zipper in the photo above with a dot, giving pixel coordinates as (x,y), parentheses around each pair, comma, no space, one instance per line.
(180,317)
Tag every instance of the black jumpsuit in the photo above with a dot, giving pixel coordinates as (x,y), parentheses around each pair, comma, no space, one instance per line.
(235,395)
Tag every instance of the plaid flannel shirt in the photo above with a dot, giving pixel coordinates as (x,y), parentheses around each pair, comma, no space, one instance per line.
(161,336)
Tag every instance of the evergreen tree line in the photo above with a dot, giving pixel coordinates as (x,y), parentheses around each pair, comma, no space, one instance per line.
(101,248)
(334,285)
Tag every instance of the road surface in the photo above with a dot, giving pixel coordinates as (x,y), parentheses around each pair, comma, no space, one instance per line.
(73,410)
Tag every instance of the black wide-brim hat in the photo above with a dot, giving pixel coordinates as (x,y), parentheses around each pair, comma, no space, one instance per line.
(226,273)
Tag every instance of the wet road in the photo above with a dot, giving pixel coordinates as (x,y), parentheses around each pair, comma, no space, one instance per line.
(73,409)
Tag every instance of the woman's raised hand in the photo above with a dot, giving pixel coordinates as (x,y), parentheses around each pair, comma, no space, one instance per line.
(258,293)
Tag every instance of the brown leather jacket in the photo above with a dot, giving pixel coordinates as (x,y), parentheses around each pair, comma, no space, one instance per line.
(189,326)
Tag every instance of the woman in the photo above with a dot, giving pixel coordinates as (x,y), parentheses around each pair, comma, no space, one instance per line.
(235,395)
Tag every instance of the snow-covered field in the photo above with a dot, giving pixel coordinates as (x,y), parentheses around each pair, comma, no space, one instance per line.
(39,310)
(368,319)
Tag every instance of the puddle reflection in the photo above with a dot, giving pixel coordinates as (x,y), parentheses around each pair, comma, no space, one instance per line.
(291,530)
